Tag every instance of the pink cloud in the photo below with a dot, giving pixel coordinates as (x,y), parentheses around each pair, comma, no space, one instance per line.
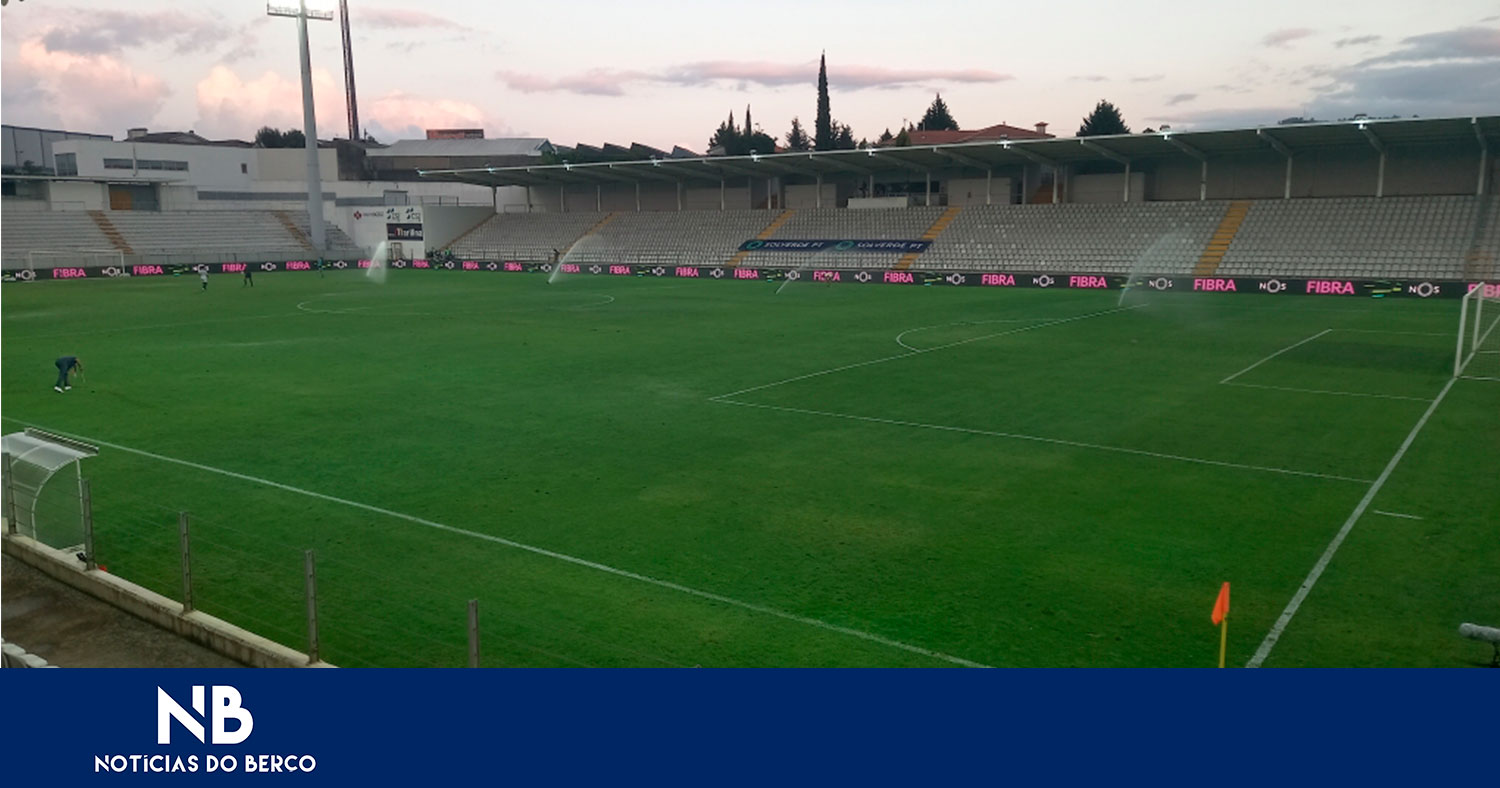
(80,91)
(1286,35)
(231,106)
(595,82)
(399,19)
(400,115)
(607,82)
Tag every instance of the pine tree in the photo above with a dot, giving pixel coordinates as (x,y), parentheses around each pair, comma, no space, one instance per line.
(844,139)
(885,137)
(797,138)
(1105,119)
(938,118)
(823,132)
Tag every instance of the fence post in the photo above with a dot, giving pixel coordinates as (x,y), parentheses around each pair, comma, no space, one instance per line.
(312,606)
(10,496)
(85,502)
(473,633)
(187,562)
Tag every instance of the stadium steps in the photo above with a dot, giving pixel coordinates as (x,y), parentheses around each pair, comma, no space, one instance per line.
(769,231)
(466,233)
(1044,194)
(599,225)
(937,228)
(111,232)
(1218,244)
(295,231)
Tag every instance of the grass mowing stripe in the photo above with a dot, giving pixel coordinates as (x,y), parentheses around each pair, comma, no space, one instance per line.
(709,595)
(1333,547)
(924,350)
(1040,439)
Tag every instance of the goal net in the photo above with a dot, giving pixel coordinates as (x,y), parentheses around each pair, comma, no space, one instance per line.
(75,258)
(1477,355)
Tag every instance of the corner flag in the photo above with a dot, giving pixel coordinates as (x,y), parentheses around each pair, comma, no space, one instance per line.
(1221,607)
(1221,620)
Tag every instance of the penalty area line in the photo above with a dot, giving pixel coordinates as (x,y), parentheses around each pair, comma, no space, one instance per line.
(1285,618)
(542,551)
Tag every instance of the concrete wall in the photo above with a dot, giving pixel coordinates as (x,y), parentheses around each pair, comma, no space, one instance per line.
(77,196)
(970,191)
(805,196)
(290,164)
(217,635)
(1431,170)
(1106,187)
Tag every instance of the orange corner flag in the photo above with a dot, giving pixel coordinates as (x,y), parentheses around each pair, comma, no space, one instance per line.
(1221,607)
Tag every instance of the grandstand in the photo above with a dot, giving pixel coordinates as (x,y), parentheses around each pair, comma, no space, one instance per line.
(1448,237)
(183,237)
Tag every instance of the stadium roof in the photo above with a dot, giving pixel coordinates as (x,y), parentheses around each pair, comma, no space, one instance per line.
(511,146)
(1000,153)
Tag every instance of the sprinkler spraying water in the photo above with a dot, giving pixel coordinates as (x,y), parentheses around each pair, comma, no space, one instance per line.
(377,270)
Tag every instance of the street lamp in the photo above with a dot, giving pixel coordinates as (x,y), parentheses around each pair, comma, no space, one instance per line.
(303,10)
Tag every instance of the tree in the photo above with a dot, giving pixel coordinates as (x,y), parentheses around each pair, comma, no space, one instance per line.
(292,138)
(938,118)
(885,137)
(797,138)
(844,138)
(1105,119)
(823,131)
(904,138)
(740,142)
(268,137)
(726,137)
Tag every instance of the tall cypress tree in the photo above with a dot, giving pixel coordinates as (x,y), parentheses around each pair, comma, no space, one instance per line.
(823,133)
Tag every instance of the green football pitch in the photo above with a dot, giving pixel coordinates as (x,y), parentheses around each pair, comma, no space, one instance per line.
(665,472)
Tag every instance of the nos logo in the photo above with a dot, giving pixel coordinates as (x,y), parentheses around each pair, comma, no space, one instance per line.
(226,705)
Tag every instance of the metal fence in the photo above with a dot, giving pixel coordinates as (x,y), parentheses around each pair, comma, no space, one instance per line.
(313,597)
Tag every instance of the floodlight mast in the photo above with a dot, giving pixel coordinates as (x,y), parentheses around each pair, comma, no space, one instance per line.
(323,10)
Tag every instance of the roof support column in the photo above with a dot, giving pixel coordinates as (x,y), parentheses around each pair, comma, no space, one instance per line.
(1285,151)
(1056,176)
(562,198)
(929,188)
(1126,198)
(1379,148)
(722,206)
(598,198)
(989,178)
(1202,160)
(679,195)
(637,196)
(872,184)
(528,199)
(819,201)
(1484,157)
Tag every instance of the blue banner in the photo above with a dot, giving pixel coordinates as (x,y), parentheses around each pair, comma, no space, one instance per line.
(714,727)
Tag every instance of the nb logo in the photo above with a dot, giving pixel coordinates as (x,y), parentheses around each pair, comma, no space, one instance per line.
(226,705)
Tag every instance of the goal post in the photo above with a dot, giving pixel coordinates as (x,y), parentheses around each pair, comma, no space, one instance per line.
(1478,315)
(75,258)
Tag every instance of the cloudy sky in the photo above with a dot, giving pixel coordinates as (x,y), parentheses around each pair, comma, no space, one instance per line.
(666,73)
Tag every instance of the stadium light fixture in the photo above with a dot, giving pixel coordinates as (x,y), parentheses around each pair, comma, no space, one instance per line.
(303,10)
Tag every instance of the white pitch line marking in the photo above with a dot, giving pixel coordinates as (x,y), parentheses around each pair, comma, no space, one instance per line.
(112,329)
(1322,391)
(1040,439)
(964,323)
(856,365)
(1274,355)
(1397,514)
(1384,331)
(542,551)
(1333,547)
(1478,377)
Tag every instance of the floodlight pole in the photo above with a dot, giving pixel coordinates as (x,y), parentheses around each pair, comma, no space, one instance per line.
(309,125)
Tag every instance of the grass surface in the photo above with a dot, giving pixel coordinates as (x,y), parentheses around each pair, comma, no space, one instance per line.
(1048,480)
